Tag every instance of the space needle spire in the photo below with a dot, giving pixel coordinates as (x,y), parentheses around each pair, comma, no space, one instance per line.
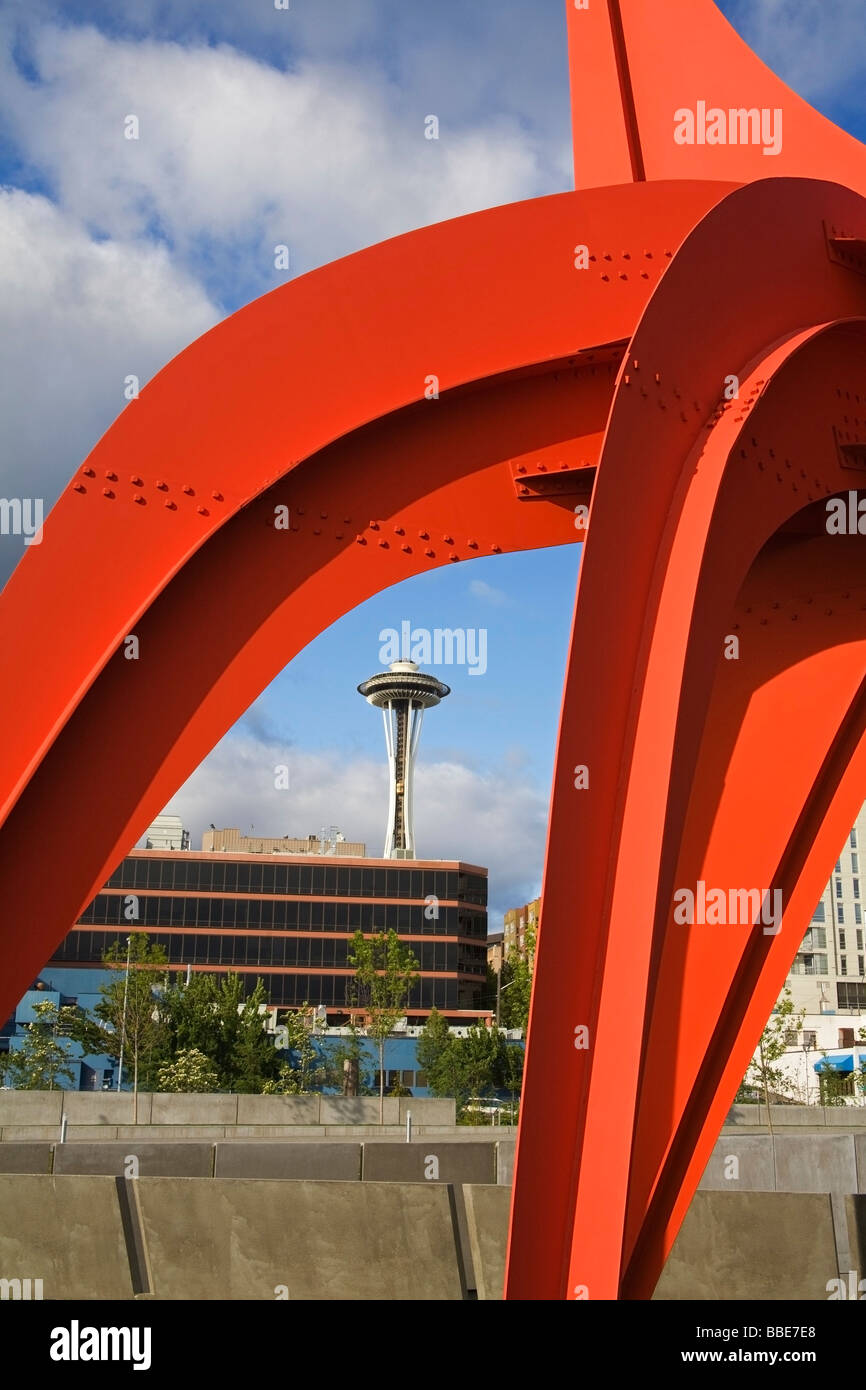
(402,693)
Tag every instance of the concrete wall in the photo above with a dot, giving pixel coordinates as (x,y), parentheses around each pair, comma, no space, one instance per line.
(801,1116)
(326,1162)
(68,1232)
(100,1237)
(36,1115)
(751,1246)
(791,1162)
(233,1239)
(429,1161)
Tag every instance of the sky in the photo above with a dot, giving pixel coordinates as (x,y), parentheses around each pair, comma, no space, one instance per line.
(304,127)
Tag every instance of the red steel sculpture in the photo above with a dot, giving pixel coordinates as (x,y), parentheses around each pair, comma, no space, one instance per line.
(667,363)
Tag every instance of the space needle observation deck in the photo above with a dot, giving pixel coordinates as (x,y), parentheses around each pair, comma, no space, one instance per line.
(402,693)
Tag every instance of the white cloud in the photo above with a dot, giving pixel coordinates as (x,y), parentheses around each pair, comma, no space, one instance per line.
(233,153)
(816,46)
(498,598)
(494,820)
(76,317)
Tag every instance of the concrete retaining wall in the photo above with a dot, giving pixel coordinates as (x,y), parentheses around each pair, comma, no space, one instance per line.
(804,1162)
(135,1159)
(325,1162)
(750,1246)
(100,1237)
(429,1162)
(36,1115)
(68,1232)
(232,1239)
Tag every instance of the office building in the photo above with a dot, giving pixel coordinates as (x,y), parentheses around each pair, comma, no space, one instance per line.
(290,919)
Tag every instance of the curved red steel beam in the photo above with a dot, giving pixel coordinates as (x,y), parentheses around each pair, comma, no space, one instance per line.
(311,397)
(91,719)
(772,278)
(638,70)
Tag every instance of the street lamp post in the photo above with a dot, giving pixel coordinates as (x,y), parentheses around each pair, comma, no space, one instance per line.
(500,990)
(123,1020)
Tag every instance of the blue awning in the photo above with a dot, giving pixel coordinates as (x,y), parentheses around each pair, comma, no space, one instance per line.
(842,1061)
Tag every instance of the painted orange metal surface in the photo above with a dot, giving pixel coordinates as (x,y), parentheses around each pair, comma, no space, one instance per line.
(707,522)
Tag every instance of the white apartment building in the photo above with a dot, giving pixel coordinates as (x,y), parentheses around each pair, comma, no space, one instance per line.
(828,978)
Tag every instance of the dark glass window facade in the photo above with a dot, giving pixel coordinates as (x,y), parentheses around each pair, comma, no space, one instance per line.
(294,917)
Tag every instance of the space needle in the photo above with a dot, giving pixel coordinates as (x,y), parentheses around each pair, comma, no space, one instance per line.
(402,693)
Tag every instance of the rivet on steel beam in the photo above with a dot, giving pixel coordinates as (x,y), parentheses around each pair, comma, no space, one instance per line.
(449,540)
(374,525)
(338,536)
(649,255)
(658,376)
(89,472)
(627,380)
(384,544)
(79,487)
(423,535)
(323,516)
(626,255)
(202,511)
(430,552)
(644,275)
(347,521)
(399,531)
(452,556)
(622,275)
(317,530)
(112,477)
(635,364)
(497,549)
(135,480)
(542,468)
(521,468)
(360,540)
(190,491)
(217,496)
(605,277)
(172,506)
(163,487)
(473,545)
(300,510)
(407,549)
(106,492)
(137,497)
(608,256)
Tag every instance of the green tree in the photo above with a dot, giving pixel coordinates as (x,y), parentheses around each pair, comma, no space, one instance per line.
(303,1071)
(191,1071)
(385,971)
(482,1059)
(432,1044)
(762,1071)
(129,1009)
(516,987)
(212,1015)
(345,1069)
(43,1059)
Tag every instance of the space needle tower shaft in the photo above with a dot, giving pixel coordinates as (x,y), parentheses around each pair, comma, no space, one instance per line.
(402,693)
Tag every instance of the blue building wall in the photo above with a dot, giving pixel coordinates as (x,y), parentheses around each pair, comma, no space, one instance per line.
(97,1073)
